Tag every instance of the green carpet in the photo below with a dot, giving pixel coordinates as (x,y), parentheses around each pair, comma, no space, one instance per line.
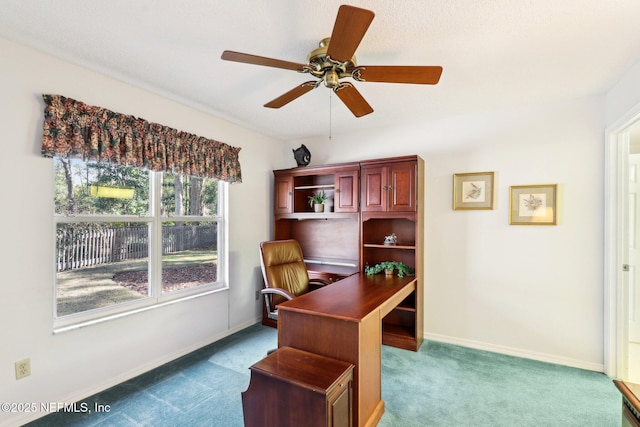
(441,385)
(448,385)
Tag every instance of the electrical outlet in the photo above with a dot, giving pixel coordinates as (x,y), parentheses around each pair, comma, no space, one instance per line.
(257,295)
(23,368)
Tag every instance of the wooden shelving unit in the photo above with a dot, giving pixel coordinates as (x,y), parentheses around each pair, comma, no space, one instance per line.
(322,236)
(392,201)
(368,201)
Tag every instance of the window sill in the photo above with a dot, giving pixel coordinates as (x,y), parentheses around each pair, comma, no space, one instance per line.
(83,320)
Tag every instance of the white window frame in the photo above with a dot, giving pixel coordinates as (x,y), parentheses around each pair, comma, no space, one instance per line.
(156,297)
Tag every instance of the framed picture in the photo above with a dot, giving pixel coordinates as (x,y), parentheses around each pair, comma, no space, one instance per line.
(473,190)
(533,204)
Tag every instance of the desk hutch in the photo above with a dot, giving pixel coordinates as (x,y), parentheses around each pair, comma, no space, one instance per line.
(367,200)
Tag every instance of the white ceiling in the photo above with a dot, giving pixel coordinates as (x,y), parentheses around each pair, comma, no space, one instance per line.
(496,54)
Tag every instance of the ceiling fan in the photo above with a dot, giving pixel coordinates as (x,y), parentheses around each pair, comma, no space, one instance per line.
(335,60)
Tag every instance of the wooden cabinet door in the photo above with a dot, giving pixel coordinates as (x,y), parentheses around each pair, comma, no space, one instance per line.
(283,191)
(374,192)
(346,192)
(340,407)
(402,187)
(390,188)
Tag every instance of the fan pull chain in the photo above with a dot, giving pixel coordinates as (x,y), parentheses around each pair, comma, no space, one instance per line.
(330,98)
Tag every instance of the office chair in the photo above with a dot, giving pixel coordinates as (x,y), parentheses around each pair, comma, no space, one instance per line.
(285,274)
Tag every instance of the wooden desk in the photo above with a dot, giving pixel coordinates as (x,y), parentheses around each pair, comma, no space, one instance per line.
(344,321)
(630,403)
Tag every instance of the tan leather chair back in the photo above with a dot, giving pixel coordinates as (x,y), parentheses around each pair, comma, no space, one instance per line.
(283,266)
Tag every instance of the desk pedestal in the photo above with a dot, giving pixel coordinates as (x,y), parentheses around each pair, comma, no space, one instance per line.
(291,388)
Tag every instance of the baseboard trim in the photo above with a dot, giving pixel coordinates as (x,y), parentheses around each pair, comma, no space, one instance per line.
(80,395)
(510,351)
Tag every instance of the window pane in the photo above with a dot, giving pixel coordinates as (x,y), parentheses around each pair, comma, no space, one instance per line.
(90,188)
(189,195)
(105,259)
(189,254)
(100,264)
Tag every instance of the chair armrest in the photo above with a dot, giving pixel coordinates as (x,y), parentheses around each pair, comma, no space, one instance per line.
(278,291)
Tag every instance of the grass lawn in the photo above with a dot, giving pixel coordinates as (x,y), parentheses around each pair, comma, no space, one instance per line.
(94,287)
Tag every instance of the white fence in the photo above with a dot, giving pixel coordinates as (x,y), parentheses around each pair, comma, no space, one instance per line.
(79,247)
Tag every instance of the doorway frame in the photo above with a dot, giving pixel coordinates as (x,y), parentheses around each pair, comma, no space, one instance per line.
(616,244)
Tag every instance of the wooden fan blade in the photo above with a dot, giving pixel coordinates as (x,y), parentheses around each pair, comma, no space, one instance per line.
(351,25)
(353,100)
(294,93)
(229,55)
(426,75)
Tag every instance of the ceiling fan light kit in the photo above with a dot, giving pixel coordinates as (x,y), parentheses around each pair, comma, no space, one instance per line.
(335,59)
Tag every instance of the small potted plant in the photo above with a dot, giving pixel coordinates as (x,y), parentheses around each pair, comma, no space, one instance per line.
(317,199)
(389,267)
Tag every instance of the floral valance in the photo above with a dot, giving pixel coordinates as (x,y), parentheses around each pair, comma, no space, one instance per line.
(74,129)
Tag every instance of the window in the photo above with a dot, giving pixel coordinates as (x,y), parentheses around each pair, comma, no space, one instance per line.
(127,238)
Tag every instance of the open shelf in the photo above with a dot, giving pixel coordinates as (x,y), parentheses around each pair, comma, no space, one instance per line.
(390,247)
(406,308)
(397,331)
(305,186)
(341,262)
(399,338)
(375,230)
(399,326)
(314,180)
(375,255)
(303,216)
(315,187)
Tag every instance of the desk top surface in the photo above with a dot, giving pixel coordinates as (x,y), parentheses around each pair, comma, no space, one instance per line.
(354,297)
(630,391)
(305,369)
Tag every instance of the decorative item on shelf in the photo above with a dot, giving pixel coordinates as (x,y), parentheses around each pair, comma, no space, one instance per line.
(302,155)
(317,199)
(389,267)
(391,240)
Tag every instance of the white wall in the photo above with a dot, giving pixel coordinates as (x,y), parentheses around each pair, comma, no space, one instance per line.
(75,364)
(531,291)
(624,95)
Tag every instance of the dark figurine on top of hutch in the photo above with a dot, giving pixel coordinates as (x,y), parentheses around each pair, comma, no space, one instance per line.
(302,155)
